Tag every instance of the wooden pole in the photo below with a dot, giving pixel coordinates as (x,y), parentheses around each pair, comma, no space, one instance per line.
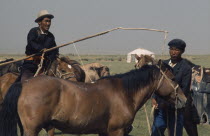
(82,39)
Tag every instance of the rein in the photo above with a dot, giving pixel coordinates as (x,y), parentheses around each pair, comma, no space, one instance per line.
(164,76)
(40,65)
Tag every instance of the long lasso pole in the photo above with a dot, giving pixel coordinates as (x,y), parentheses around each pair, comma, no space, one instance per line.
(85,38)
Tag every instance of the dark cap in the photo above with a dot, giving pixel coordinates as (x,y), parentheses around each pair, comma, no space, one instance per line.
(178,43)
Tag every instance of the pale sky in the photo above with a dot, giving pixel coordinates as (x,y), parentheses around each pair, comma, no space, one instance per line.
(74,19)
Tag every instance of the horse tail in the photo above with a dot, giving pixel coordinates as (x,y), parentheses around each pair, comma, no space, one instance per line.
(8,114)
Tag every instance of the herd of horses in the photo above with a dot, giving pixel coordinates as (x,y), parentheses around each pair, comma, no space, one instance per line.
(62,100)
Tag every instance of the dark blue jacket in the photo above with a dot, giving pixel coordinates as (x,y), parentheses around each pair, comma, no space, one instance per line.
(37,42)
(182,72)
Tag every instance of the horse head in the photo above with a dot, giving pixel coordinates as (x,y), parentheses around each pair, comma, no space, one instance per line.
(143,60)
(63,68)
(104,71)
(168,88)
(70,69)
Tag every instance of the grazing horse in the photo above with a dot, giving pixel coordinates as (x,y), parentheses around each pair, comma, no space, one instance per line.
(95,71)
(106,107)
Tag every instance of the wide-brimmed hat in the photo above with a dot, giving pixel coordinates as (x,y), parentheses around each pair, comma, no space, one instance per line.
(42,14)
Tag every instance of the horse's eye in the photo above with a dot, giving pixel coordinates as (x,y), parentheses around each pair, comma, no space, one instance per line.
(63,71)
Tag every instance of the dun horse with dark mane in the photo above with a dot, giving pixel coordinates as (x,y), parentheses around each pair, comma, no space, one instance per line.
(104,108)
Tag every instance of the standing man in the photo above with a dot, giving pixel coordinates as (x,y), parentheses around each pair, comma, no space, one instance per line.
(164,116)
(38,39)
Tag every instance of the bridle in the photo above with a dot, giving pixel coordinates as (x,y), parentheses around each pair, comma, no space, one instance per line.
(59,74)
(163,75)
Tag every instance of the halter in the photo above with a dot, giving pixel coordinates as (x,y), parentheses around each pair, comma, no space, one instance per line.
(161,79)
(60,75)
(67,73)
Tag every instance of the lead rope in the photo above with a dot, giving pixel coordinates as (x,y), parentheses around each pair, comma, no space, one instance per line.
(40,64)
(176,102)
(148,123)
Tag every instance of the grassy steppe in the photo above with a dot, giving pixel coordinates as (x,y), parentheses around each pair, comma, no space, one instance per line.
(117,64)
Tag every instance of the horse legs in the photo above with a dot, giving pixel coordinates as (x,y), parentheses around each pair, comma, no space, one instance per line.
(119,132)
(189,117)
(102,134)
(30,133)
(50,131)
(191,128)
(29,129)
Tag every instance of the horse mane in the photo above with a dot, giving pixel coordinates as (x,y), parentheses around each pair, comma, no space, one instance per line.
(138,78)
(69,61)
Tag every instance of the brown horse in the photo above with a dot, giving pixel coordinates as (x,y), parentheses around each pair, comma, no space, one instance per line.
(62,67)
(105,108)
(95,71)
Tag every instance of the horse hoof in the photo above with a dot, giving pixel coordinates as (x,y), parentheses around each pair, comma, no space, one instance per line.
(128,130)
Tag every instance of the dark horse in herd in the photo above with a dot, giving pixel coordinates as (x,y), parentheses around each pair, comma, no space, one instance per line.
(106,107)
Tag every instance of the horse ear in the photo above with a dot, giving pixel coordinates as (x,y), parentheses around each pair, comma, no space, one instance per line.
(58,60)
(159,63)
(137,57)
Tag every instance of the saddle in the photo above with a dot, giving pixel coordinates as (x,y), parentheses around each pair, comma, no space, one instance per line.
(200,81)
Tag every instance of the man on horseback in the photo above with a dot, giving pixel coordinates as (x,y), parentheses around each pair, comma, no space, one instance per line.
(39,38)
(164,115)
